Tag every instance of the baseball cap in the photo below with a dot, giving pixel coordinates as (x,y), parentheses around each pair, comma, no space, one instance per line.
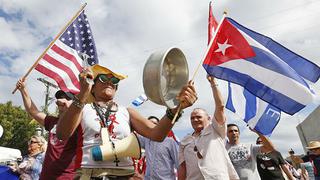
(61,94)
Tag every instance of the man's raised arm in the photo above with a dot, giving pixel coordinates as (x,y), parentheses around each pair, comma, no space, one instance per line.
(31,108)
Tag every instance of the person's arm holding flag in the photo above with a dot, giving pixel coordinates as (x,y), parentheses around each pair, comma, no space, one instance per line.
(30,107)
(267,145)
(219,120)
(219,112)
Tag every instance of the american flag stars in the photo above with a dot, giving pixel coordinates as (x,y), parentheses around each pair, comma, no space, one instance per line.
(79,37)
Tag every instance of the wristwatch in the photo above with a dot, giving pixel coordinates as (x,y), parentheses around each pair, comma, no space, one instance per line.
(76,102)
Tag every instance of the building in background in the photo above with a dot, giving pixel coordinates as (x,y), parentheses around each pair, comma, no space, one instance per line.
(309,129)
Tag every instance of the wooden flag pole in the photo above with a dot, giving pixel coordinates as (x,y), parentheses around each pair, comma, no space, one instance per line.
(52,42)
(198,67)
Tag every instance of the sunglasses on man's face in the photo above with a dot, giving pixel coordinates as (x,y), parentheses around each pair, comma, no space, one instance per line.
(104,78)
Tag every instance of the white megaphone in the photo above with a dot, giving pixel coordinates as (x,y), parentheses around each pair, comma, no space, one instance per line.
(126,147)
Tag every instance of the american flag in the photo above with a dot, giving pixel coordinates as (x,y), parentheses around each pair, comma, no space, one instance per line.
(65,58)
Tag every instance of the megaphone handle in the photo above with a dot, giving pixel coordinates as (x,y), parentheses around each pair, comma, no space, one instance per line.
(176,115)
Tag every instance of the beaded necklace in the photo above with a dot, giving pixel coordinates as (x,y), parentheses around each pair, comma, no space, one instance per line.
(107,117)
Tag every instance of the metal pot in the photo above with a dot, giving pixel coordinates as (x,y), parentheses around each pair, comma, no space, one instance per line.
(164,74)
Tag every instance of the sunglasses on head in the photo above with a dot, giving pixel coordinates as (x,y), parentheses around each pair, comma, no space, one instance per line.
(104,78)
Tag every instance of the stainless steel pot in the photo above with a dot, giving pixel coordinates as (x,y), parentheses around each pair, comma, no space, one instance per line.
(164,74)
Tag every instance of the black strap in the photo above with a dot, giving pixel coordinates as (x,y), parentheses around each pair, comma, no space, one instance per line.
(103,118)
(103,123)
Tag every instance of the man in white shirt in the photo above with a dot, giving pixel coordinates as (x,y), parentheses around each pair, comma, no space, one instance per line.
(202,154)
(242,155)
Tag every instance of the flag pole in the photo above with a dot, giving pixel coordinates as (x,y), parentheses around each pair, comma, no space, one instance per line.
(210,19)
(51,43)
(198,67)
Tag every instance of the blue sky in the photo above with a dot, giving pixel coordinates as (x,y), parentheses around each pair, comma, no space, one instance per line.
(126,33)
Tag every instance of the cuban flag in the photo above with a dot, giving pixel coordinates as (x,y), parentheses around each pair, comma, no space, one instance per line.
(140,100)
(262,66)
(255,112)
(258,114)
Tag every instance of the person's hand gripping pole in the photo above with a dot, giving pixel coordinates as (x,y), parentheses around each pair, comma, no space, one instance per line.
(187,97)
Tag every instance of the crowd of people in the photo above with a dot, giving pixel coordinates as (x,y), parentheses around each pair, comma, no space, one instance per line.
(212,151)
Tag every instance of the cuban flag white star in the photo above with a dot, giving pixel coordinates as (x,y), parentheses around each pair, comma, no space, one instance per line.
(223,47)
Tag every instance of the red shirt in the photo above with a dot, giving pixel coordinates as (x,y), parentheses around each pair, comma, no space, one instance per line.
(60,155)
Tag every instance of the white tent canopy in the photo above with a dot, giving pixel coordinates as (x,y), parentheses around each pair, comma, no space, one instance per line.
(9,154)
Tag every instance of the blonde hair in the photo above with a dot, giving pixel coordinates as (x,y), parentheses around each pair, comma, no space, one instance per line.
(42,142)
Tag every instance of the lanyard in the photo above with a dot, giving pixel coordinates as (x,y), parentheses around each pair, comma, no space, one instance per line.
(104,118)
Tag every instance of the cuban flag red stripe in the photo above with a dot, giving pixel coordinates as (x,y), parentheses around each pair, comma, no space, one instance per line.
(237,57)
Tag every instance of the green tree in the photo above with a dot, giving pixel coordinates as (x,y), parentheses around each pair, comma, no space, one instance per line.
(17,127)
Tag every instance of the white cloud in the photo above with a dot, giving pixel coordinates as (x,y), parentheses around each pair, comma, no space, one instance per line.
(9,39)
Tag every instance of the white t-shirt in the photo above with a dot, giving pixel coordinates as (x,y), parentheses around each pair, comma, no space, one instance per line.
(243,158)
(90,127)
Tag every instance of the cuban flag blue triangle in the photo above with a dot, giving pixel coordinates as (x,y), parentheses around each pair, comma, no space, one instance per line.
(262,66)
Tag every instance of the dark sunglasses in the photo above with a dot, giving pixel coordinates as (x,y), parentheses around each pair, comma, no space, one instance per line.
(32,142)
(104,78)
(195,149)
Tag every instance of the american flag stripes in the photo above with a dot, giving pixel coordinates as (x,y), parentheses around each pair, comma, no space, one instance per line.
(64,60)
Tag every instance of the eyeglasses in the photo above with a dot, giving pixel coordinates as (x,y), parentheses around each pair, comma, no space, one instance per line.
(195,149)
(104,78)
(32,142)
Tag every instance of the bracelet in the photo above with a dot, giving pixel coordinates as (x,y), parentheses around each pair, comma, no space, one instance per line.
(170,115)
(76,102)
(214,85)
